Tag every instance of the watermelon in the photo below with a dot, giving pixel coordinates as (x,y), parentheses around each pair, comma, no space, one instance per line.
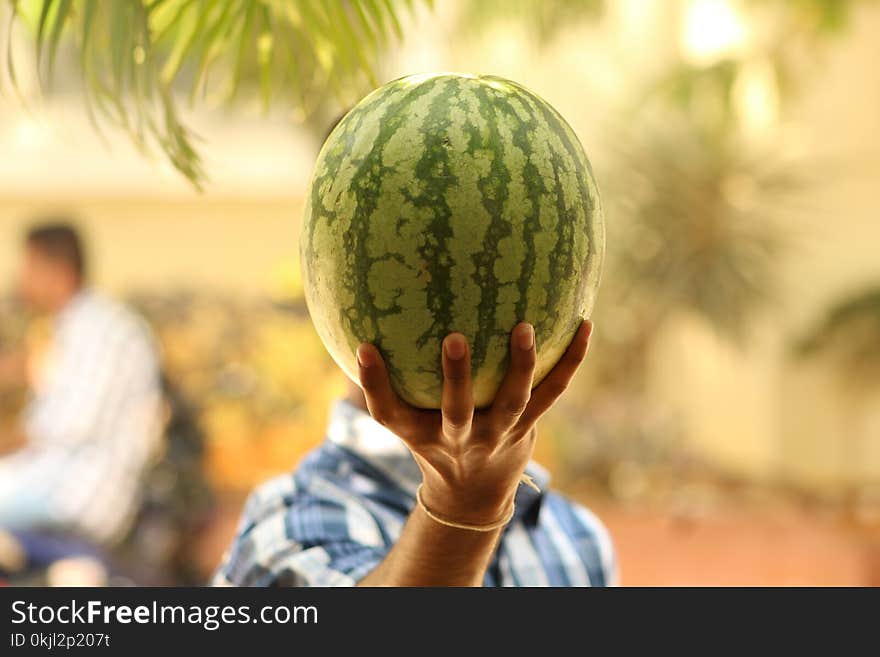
(450,202)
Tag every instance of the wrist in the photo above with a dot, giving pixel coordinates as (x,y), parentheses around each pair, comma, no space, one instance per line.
(479,507)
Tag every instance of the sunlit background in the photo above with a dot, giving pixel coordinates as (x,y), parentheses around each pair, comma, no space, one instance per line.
(727,425)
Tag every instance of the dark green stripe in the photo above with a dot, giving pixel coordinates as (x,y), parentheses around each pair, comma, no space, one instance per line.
(562,257)
(434,167)
(535,187)
(494,191)
(575,151)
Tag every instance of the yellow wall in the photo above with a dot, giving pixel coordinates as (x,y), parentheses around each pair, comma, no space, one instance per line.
(213,244)
(757,411)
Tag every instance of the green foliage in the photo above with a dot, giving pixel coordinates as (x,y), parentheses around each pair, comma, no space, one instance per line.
(816,17)
(544,19)
(850,334)
(696,206)
(698,224)
(802,25)
(134,54)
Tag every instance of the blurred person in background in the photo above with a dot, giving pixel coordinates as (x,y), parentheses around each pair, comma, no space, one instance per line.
(70,476)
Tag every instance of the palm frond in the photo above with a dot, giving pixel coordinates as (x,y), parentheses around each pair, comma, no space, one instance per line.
(700,222)
(135,56)
(850,333)
(543,20)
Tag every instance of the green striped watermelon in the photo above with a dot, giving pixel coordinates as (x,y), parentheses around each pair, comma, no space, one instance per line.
(448,202)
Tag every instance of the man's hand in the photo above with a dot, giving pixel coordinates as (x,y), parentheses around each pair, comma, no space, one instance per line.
(471,461)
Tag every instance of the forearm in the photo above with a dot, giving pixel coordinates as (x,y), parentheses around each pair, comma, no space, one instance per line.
(430,554)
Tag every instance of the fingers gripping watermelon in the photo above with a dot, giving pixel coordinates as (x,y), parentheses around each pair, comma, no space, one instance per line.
(450,202)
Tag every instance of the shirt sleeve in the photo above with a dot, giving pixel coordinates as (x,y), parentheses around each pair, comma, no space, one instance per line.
(303,540)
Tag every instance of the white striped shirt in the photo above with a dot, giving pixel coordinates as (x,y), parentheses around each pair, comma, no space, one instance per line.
(93,424)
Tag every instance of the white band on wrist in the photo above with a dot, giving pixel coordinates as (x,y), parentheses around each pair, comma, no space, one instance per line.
(491,527)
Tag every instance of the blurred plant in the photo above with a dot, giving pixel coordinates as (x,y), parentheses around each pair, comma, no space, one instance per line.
(782,32)
(544,19)
(696,223)
(695,226)
(699,205)
(850,334)
(695,201)
(13,327)
(261,376)
(133,54)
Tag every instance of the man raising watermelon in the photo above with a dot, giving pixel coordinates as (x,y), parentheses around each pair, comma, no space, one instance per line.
(451,248)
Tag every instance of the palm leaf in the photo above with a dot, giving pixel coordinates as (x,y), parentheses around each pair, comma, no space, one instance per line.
(850,333)
(134,57)
(702,220)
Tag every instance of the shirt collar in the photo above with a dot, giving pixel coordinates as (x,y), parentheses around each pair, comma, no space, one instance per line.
(356,431)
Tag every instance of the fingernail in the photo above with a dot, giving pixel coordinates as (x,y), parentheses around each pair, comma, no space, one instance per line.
(365,356)
(454,346)
(525,336)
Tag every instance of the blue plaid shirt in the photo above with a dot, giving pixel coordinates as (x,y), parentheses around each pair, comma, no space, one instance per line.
(336,517)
